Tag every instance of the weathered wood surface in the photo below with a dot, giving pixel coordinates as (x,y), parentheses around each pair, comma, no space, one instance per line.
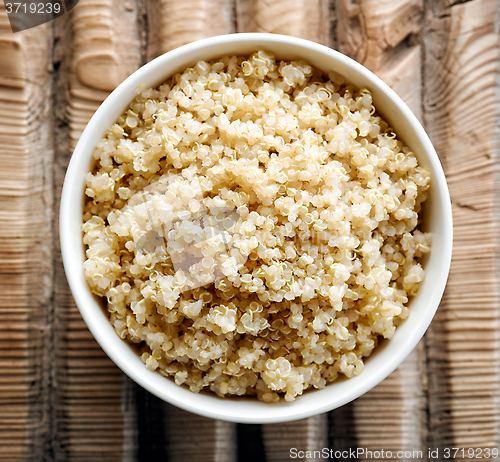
(460,104)
(61,398)
(26,250)
(96,46)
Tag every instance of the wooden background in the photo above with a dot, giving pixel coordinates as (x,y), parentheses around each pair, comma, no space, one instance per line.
(62,399)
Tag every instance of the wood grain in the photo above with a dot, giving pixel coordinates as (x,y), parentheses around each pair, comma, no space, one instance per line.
(392,416)
(312,20)
(461,115)
(172,23)
(106,48)
(381,35)
(25,235)
(98,46)
(303,435)
(309,19)
(198,439)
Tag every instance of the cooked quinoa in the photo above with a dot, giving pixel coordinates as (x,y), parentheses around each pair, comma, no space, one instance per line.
(315,264)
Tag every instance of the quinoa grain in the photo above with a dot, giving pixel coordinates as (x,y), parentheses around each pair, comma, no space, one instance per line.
(296,205)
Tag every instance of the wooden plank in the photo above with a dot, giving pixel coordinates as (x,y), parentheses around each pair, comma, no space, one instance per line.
(312,20)
(198,439)
(97,47)
(26,232)
(382,35)
(392,415)
(172,23)
(461,61)
(302,435)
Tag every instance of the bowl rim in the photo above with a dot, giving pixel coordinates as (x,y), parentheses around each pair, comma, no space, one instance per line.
(235,410)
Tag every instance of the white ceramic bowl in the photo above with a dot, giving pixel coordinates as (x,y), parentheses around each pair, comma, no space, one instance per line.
(437,219)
